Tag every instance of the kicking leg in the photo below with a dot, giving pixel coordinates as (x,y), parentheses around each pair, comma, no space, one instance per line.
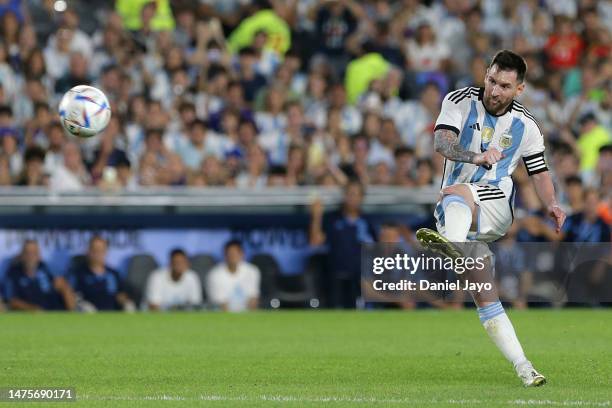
(456,212)
(499,328)
(459,212)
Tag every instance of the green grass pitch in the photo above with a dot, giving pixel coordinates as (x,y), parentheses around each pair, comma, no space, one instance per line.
(306,359)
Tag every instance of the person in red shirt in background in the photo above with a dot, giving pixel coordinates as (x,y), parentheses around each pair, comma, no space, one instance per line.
(564,46)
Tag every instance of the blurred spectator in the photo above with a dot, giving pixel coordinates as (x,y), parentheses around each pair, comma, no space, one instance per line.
(233,285)
(155,15)
(76,75)
(592,137)
(97,283)
(7,76)
(5,171)
(604,169)
(511,270)
(404,165)
(425,52)
(55,140)
(335,22)
(33,174)
(262,18)
(414,119)
(361,71)
(350,118)
(10,148)
(574,194)
(29,285)
(175,287)
(564,46)
(344,231)
(587,225)
(71,175)
(250,80)
(110,150)
(201,143)
(424,173)
(255,173)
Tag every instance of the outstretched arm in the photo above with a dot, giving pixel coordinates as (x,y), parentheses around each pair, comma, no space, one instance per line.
(447,144)
(546,192)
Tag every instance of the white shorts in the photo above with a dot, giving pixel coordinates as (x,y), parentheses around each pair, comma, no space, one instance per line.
(494,213)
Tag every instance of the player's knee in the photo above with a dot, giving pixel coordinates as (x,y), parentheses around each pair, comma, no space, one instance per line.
(461,191)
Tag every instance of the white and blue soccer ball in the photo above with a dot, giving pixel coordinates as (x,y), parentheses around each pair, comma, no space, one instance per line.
(84,111)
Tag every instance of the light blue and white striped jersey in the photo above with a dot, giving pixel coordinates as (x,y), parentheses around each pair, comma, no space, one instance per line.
(515,133)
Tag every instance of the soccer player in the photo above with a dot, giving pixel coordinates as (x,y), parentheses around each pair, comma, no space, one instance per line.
(483,133)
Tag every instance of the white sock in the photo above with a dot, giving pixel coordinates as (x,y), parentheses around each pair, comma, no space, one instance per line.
(496,323)
(457,218)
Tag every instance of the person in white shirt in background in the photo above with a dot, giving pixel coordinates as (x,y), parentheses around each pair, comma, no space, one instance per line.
(71,175)
(174,287)
(233,285)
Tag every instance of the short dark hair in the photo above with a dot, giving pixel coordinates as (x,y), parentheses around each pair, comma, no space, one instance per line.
(586,118)
(605,149)
(353,181)
(123,161)
(573,180)
(247,51)
(389,224)
(154,132)
(199,123)
(55,125)
(41,105)
(186,105)
(403,150)
(507,60)
(95,238)
(177,251)
(6,110)
(277,171)
(231,243)
(215,70)
(34,153)
(425,161)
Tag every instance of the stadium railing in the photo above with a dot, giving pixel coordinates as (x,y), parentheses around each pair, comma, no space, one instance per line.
(21,200)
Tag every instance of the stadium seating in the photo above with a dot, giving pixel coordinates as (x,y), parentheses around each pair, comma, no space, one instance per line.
(202,264)
(139,268)
(278,290)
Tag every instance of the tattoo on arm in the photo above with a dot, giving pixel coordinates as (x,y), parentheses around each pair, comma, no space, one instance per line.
(447,144)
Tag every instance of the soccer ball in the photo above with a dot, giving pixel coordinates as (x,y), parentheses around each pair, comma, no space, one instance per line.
(84,111)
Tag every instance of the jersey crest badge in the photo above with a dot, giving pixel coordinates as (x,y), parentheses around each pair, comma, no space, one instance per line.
(506,140)
(487,134)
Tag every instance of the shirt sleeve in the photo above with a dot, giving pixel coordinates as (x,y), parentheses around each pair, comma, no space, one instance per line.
(214,287)
(195,296)
(153,290)
(533,149)
(9,288)
(450,116)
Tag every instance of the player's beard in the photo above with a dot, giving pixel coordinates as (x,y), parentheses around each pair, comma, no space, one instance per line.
(496,105)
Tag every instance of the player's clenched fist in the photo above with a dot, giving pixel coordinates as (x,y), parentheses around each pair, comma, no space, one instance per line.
(489,157)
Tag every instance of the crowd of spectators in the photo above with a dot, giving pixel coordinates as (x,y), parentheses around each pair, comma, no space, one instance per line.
(284,93)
